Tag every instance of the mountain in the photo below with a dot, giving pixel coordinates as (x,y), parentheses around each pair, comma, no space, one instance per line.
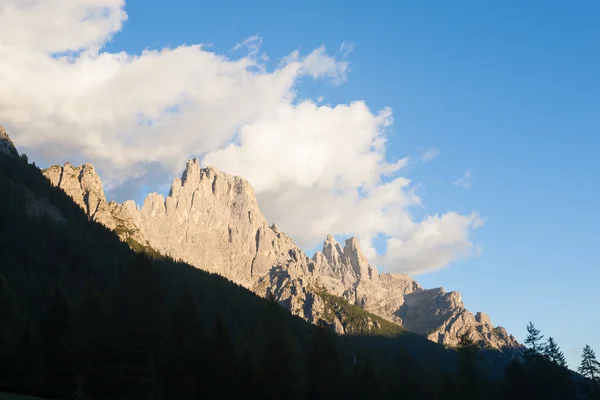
(6,145)
(212,221)
(84,316)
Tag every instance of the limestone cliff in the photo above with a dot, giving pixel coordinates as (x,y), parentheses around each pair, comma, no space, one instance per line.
(434,313)
(212,220)
(83,185)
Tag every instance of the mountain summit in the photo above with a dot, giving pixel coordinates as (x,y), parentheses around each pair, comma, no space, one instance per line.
(6,145)
(212,220)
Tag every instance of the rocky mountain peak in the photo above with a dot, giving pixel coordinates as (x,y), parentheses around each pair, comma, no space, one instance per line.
(344,262)
(191,174)
(483,318)
(359,262)
(6,145)
(83,184)
(333,252)
(212,221)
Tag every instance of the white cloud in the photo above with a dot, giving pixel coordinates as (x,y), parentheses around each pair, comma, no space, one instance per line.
(430,154)
(316,168)
(433,243)
(464,181)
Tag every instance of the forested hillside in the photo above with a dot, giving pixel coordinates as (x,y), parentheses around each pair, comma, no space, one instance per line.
(82,316)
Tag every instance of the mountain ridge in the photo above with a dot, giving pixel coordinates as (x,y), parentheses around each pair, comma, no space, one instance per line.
(6,144)
(212,220)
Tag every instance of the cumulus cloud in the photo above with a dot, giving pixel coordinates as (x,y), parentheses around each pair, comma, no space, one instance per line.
(433,243)
(464,181)
(430,154)
(316,169)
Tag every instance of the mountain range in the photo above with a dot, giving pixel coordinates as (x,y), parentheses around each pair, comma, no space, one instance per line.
(212,221)
(181,298)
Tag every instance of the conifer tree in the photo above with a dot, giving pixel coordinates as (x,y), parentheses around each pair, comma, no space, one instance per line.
(557,377)
(280,361)
(324,367)
(26,368)
(136,330)
(184,355)
(553,353)
(406,383)
(363,381)
(514,386)
(56,340)
(590,367)
(8,325)
(533,341)
(468,378)
(88,318)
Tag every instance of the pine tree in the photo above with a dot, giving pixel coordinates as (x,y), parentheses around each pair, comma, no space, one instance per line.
(590,367)
(55,331)
(135,333)
(556,376)
(515,385)
(221,359)
(324,367)
(184,356)
(89,317)
(552,352)
(533,341)
(8,330)
(26,368)
(408,377)
(280,362)
(468,379)
(364,382)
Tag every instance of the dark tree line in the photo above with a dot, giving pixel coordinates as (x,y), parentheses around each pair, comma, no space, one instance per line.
(82,316)
(542,372)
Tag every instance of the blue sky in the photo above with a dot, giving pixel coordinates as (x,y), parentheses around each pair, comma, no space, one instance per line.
(508,91)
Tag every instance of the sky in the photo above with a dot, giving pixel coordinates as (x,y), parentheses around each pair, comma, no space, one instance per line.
(456,140)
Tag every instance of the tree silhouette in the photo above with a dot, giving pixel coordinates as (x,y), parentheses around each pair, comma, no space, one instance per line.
(590,367)
(184,355)
(515,385)
(533,341)
(324,367)
(553,353)
(55,331)
(126,326)
(8,325)
(468,378)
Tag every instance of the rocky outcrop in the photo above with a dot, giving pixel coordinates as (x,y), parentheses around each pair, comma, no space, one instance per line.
(443,318)
(435,313)
(211,220)
(6,145)
(83,185)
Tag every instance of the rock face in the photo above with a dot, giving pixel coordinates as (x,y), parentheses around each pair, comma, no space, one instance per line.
(83,185)
(211,220)
(6,145)
(443,318)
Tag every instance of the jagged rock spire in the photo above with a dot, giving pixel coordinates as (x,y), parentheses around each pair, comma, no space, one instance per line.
(357,259)
(333,251)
